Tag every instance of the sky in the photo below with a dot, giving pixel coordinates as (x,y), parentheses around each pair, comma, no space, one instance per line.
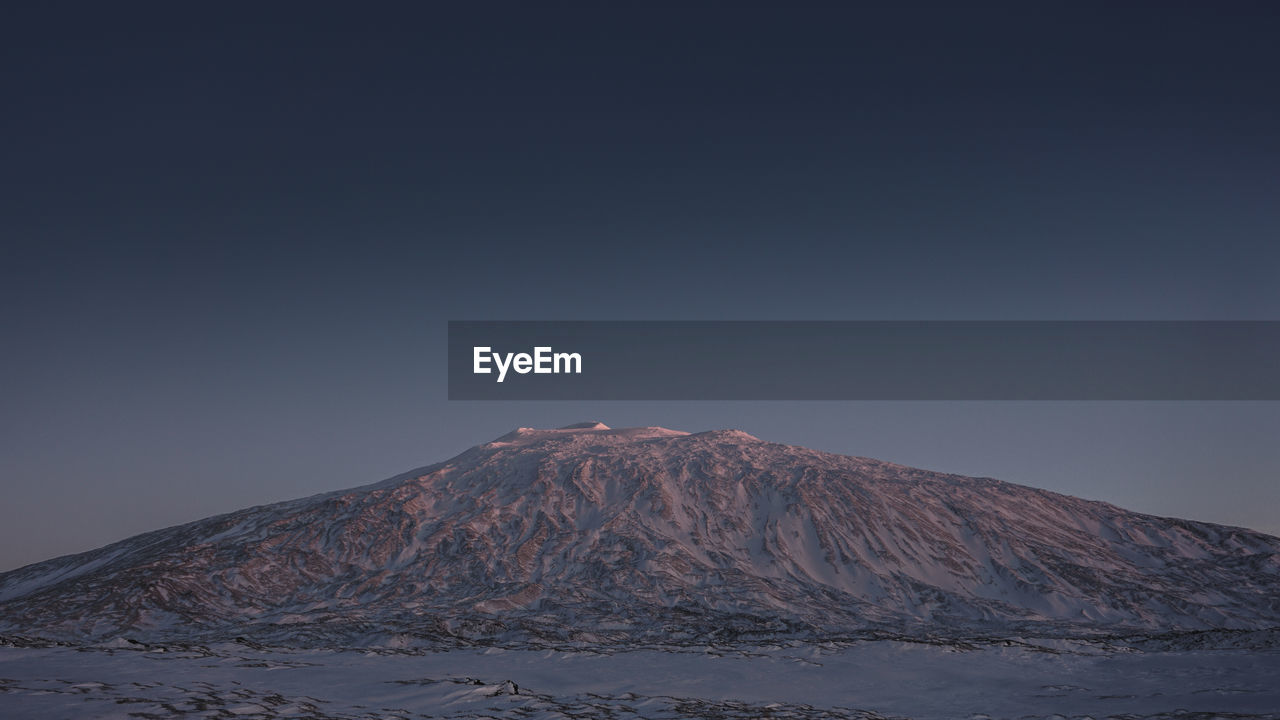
(231,235)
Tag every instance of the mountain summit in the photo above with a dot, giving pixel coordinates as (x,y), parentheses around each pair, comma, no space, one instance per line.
(587,533)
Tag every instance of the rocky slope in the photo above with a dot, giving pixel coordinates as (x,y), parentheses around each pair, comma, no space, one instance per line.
(588,534)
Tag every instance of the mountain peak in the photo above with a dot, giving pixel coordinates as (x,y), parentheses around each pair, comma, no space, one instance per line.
(594,429)
(731,435)
(626,533)
(589,425)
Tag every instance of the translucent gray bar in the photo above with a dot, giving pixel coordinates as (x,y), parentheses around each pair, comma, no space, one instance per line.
(916,360)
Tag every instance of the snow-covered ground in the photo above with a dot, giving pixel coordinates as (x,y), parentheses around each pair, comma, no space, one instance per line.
(866,680)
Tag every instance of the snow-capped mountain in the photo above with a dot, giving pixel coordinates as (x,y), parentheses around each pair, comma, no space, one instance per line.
(592,534)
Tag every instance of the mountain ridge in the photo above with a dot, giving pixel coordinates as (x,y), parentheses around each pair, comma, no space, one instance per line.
(641,534)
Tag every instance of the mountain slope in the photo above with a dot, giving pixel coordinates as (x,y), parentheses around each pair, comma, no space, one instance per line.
(588,533)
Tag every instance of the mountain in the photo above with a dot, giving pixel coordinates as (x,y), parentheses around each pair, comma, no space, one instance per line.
(590,534)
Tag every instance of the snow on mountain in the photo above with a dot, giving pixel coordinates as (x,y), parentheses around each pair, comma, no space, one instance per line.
(590,534)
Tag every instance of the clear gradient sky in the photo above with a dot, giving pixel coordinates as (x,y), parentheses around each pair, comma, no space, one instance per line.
(232,233)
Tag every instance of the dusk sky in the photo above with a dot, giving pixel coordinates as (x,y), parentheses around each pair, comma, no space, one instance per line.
(232,234)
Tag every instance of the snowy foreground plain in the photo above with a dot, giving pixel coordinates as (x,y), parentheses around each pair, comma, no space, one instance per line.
(877,679)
